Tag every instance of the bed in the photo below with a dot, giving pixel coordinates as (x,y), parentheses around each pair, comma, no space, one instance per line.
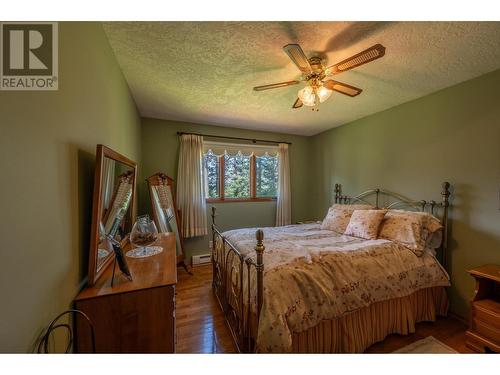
(304,289)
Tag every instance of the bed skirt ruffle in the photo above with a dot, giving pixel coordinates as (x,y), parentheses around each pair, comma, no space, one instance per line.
(356,331)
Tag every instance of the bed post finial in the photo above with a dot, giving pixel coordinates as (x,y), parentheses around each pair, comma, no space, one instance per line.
(338,192)
(445,193)
(213,215)
(259,249)
(260,238)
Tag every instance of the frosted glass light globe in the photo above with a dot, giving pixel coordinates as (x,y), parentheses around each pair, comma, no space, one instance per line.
(307,96)
(323,94)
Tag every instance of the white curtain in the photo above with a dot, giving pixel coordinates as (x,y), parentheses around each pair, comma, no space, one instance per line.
(119,205)
(108,182)
(283,206)
(191,187)
(164,209)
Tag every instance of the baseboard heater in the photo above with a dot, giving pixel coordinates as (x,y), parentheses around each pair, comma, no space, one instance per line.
(198,260)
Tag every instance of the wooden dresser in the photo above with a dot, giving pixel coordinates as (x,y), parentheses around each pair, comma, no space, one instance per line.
(132,316)
(484,332)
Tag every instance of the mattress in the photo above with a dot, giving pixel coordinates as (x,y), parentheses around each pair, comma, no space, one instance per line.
(312,275)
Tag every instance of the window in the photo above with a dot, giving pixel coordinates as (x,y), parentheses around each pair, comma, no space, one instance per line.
(266,176)
(212,168)
(237,176)
(237,172)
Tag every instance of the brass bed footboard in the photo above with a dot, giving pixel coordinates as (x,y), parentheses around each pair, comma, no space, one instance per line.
(230,268)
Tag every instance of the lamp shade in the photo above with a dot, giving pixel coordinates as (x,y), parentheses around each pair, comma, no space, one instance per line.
(323,93)
(307,96)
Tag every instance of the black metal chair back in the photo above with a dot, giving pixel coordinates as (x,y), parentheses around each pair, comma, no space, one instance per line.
(43,345)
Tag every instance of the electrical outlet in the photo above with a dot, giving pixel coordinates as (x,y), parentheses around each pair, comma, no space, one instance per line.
(210,244)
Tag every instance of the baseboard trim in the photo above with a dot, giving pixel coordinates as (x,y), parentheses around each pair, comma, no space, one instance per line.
(460,318)
(201,265)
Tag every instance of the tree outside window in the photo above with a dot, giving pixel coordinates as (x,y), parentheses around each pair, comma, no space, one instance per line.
(240,177)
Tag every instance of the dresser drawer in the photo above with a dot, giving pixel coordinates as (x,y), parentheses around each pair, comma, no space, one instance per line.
(142,321)
(487,311)
(480,344)
(486,330)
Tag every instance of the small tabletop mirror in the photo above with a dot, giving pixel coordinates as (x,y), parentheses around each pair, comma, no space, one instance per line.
(113,209)
(165,213)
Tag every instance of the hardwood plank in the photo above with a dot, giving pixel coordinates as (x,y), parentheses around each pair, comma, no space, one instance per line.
(201,327)
(199,320)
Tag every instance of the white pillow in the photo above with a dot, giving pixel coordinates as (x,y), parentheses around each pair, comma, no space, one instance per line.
(410,229)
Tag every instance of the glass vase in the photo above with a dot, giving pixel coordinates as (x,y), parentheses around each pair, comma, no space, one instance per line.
(143,234)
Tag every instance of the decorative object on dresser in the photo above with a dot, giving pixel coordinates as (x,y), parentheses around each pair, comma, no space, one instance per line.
(120,259)
(132,316)
(143,234)
(165,213)
(484,332)
(113,208)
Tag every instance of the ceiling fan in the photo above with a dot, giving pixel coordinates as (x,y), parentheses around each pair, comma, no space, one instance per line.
(319,85)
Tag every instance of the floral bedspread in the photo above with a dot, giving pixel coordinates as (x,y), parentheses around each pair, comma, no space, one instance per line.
(312,274)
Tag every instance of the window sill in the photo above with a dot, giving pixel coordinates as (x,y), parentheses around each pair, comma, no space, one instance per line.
(237,200)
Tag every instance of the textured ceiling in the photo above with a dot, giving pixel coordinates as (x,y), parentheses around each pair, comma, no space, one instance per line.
(204,71)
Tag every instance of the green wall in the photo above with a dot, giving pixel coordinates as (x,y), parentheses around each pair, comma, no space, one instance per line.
(47,151)
(160,149)
(451,135)
(47,148)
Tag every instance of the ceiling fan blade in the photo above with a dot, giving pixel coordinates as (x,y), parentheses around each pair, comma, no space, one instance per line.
(370,54)
(298,57)
(342,88)
(275,85)
(297,104)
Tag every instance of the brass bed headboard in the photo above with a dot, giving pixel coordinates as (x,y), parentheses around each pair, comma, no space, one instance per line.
(399,201)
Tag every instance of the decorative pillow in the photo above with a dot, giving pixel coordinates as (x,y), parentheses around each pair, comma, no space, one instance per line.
(338,216)
(365,223)
(410,229)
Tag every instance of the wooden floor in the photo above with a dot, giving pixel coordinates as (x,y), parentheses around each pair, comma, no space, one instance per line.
(201,327)
(200,324)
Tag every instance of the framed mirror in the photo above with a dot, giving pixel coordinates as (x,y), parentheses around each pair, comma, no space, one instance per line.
(113,208)
(165,213)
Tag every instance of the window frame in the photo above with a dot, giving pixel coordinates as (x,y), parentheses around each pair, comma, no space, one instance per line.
(253,184)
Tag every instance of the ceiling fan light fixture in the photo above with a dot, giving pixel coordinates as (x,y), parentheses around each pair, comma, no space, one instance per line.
(307,96)
(319,85)
(323,93)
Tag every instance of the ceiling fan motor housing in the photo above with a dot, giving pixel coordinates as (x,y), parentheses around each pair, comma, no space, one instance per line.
(316,64)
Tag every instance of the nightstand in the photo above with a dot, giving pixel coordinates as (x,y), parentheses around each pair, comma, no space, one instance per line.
(484,332)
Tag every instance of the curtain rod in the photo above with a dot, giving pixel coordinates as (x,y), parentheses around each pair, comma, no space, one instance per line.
(253,140)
